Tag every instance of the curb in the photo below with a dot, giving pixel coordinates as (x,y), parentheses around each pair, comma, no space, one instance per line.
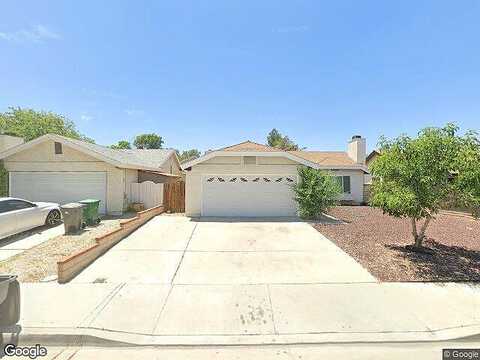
(109,338)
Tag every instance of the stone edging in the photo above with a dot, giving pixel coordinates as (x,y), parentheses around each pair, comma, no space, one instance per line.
(72,265)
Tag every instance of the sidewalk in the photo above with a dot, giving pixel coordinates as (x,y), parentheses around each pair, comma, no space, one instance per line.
(390,351)
(157,314)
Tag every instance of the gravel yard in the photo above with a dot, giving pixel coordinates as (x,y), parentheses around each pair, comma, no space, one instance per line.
(40,262)
(378,242)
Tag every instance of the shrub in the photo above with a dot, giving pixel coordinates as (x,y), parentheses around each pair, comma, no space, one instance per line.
(315,192)
(3,181)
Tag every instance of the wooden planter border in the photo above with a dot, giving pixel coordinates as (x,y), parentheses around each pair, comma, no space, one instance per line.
(72,265)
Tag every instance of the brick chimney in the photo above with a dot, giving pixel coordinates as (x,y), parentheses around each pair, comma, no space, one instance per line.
(8,141)
(357,149)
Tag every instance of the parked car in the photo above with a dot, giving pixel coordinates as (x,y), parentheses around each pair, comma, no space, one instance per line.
(17,215)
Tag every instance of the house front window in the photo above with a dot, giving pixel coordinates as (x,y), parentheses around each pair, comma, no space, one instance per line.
(344,182)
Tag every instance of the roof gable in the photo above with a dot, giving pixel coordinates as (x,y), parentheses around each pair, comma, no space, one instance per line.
(250,146)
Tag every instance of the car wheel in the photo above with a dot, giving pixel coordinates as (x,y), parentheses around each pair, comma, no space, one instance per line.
(53,218)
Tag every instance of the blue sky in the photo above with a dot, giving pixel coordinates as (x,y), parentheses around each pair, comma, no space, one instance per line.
(205,74)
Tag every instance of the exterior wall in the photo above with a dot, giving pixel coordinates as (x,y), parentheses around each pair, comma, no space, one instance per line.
(7,142)
(171,167)
(42,157)
(220,160)
(223,166)
(275,161)
(356,184)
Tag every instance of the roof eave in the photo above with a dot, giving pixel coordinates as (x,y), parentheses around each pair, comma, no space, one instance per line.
(285,154)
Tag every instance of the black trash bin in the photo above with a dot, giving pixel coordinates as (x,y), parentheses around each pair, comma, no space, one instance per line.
(9,300)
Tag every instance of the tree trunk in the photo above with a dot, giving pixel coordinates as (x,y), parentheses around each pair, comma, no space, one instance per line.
(419,236)
(414,230)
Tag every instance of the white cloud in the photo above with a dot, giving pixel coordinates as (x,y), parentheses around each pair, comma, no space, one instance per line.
(38,33)
(134,112)
(291,29)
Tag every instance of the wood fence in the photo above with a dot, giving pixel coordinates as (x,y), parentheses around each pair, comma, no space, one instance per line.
(147,193)
(174,196)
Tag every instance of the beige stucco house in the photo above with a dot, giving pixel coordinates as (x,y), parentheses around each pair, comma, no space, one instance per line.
(59,169)
(250,179)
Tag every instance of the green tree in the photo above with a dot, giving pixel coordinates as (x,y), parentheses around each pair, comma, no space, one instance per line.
(122,144)
(188,155)
(277,140)
(315,192)
(30,124)
(413,177)
(148,141)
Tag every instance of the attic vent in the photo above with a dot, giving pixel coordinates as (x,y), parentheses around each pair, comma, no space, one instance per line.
(249,160)
(58,148)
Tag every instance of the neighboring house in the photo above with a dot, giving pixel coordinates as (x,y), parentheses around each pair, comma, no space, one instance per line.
(369,160)
(58,169)
(250,179)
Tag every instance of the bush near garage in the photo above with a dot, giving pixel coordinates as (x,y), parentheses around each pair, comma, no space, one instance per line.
(315,192)
(3,181)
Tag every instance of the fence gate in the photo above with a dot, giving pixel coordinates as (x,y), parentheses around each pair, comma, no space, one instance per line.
(174,196)
(147,193)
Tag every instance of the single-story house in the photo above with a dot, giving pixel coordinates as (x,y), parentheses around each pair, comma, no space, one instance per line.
(250,179)
(59,169)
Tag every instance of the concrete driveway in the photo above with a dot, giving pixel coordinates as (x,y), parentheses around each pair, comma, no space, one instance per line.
(181,251)
(181,282)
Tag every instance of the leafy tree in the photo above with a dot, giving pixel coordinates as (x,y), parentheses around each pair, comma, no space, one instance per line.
(188,155)
(315,192)
(122,144)
(30,124)
(148,141)
(276,139)
(414,176)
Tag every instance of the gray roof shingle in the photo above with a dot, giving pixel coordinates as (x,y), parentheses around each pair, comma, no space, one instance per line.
(150,158)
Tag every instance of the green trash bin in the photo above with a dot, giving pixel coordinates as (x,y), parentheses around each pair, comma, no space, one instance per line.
(90,211)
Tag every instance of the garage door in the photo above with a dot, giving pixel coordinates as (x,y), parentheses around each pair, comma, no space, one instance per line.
(59,187)
(248,195)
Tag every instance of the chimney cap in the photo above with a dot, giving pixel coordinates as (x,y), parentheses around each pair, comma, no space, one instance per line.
(354,137)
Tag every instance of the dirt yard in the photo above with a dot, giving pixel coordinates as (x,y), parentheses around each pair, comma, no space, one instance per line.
(378,242)
(40,262)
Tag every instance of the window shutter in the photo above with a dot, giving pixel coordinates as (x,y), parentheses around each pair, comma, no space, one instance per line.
(346,184)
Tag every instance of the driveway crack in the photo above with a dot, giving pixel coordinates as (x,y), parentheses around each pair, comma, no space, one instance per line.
(157,320)
(271,309)
(183,254)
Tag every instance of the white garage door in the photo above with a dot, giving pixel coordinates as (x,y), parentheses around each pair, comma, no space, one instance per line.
(59,187)
(248,195)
